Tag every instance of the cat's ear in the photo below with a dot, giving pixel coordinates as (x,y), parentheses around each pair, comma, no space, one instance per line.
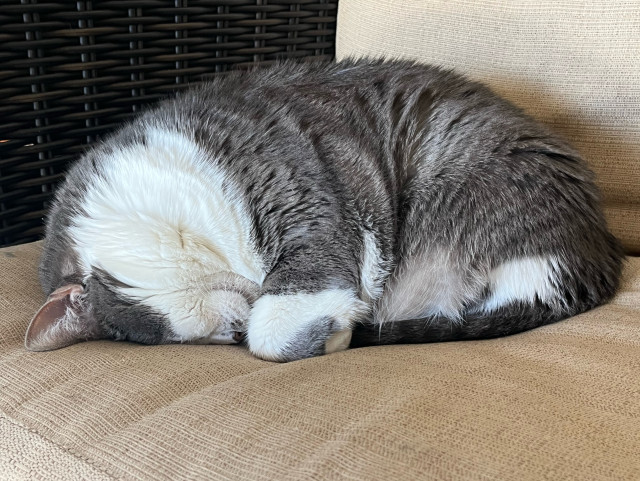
(62,320)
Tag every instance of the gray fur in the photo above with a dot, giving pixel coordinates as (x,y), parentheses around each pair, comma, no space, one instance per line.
(424,159)
(310,341)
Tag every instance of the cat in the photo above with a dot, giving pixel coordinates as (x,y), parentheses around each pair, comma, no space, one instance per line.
(305,208)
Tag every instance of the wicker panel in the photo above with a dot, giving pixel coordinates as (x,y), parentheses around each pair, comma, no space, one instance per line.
(72,71)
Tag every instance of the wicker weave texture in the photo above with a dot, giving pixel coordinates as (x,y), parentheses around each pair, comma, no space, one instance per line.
(72,71)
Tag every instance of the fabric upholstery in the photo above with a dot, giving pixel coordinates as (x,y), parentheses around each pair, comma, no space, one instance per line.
(573,64)
(560,402)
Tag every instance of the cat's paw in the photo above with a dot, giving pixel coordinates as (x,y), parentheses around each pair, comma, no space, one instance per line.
(297,326)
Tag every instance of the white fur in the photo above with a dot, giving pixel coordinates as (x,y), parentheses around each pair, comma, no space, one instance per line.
(372,272)
(164,220)
(338,342)
(431,284)
(276,319)
(425,285)
(67,268)
(521,280)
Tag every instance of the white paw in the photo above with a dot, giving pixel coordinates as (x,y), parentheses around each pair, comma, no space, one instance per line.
(296,326)
(338,341)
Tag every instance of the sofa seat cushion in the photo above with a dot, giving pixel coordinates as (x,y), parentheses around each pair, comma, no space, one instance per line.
(559,402)
(574,65)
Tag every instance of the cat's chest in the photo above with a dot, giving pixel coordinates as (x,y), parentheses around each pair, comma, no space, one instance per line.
(162,217)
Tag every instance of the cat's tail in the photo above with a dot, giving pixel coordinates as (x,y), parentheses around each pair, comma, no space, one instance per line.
(575,296)
(501,322)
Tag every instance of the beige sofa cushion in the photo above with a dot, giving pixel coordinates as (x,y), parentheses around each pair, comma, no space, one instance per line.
(560,402)
(574,64)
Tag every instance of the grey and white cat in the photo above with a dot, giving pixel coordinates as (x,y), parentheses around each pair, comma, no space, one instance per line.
(305,208)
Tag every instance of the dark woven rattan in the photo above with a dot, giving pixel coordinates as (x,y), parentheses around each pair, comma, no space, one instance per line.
(72,71)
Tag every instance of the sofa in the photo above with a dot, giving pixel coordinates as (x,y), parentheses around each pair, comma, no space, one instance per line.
(559,402)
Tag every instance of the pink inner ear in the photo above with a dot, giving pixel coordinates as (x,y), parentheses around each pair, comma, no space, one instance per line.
(45,320)
(71,290)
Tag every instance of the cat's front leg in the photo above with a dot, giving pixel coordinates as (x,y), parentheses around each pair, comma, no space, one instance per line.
(287,327)
(306,309)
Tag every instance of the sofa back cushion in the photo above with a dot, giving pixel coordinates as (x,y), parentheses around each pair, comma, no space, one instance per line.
(573,64)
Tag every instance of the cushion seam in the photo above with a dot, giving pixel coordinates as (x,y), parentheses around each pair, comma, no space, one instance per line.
(64,449)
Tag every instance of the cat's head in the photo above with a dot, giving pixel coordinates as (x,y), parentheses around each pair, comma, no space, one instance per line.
(146,242)
(209,310)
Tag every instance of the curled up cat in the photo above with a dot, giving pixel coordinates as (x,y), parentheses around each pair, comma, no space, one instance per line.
(305,208)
